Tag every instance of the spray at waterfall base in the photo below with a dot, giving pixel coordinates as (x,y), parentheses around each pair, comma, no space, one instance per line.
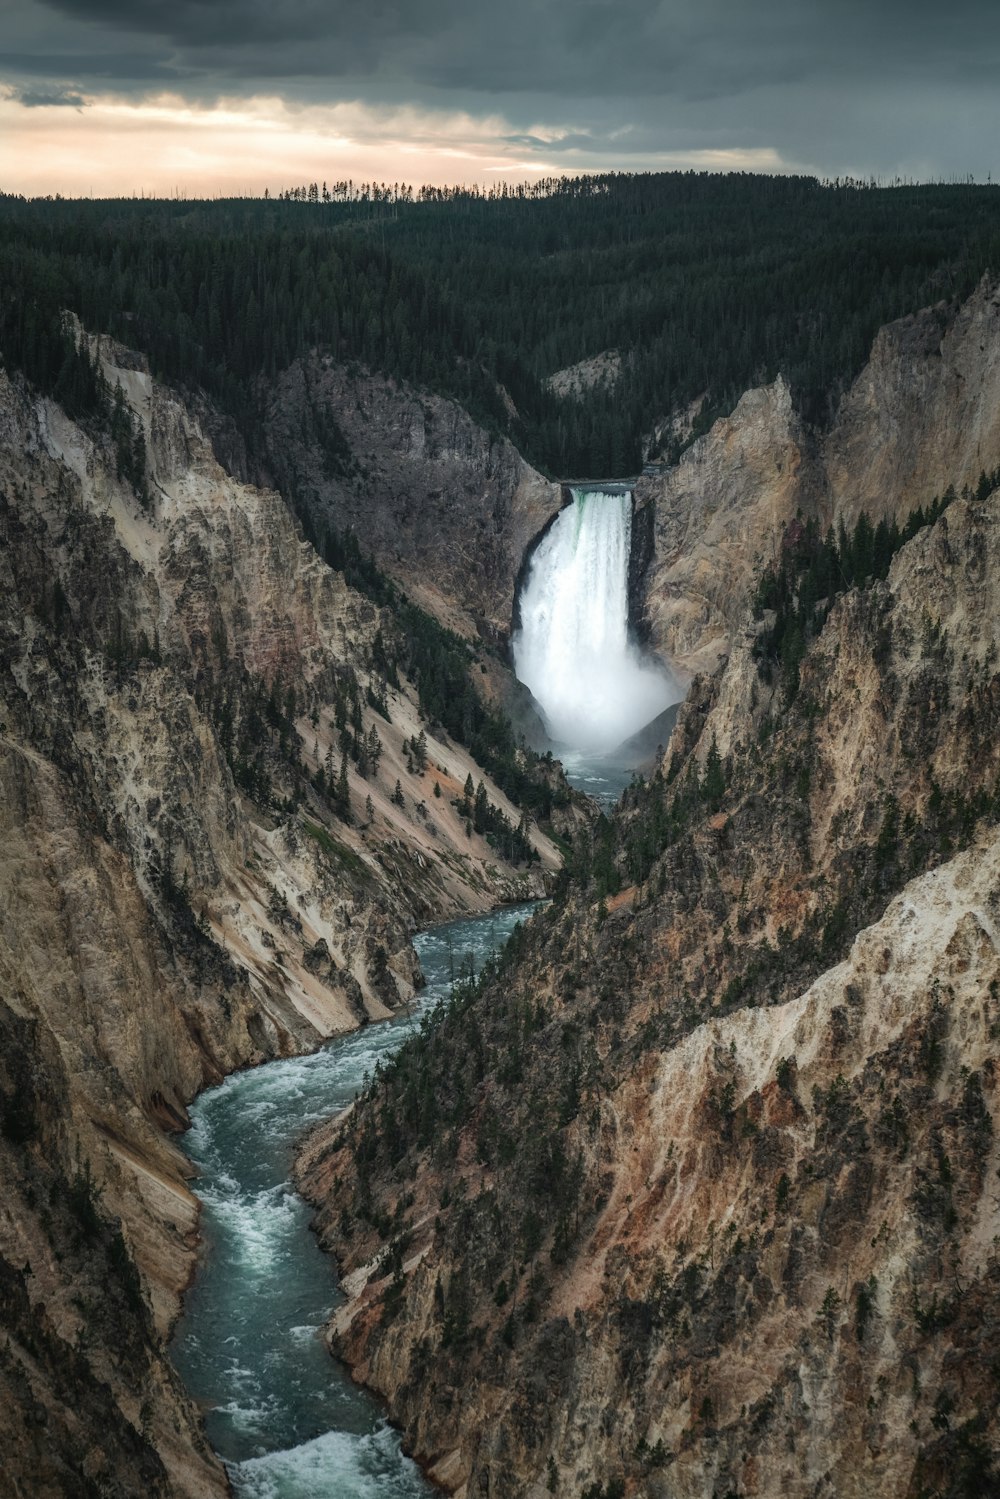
(573,651)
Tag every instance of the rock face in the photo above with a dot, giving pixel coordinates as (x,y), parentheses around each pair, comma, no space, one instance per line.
(108,1029)
(923,416)
(447,509)
(576,379)
(710,1205)
(176,899)
(718,515)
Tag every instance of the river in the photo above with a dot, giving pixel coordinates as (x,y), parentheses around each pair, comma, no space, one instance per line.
(285,1417)
(600,777)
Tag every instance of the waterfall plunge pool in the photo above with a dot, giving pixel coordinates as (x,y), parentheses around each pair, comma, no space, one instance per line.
(601,777)
(286,1419)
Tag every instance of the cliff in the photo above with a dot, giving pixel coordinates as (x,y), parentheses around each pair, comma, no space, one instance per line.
(188,885)
(718,514)
(447,508)
(920,418)
(709,1209)
(923,414)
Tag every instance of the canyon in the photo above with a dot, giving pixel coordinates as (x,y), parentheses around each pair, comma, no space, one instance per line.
(697,1194)
(699,1187)
(178,900)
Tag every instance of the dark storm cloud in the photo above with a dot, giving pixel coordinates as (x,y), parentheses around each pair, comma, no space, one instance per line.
(831,82)
(711,46)
(128,71)
(240,23)
(47,98)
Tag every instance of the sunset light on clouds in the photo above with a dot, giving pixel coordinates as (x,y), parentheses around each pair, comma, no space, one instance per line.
(165,145)
(109,97)
(161,146)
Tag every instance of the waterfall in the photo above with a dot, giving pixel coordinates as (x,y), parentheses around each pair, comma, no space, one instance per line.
(572,649)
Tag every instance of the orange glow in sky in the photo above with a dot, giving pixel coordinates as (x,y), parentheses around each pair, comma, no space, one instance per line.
(166,146)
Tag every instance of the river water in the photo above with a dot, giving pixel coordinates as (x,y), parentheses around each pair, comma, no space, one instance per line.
(285,1417)
(600,777)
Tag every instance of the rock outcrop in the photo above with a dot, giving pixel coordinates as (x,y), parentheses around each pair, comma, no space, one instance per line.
(718,516)
(922,417)
(576,379)
(447,508)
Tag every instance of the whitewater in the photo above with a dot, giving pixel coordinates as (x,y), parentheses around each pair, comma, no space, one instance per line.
(572,649)
(287,1420)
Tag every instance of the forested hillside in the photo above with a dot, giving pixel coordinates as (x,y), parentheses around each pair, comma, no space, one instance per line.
(704,285)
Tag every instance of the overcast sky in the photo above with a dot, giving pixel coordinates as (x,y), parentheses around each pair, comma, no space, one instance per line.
(220,95)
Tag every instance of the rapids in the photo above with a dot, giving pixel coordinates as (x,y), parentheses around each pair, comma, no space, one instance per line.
(286,1419)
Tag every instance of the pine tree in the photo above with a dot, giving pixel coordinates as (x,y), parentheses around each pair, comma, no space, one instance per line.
(343,792)
(374,749)
(713,785)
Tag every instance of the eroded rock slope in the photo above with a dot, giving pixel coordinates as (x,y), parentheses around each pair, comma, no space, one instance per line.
(698,1194)
(204,862)
(448,508)
(922,417)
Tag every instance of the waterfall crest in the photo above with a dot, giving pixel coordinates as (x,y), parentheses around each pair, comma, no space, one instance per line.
(572,649)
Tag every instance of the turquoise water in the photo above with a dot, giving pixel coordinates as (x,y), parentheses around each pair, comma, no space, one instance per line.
(285,1417)
(599,776)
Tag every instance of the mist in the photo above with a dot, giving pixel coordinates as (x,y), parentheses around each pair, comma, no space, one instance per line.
(572,650)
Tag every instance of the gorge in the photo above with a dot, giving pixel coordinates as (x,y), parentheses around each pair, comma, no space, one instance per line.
(732,1294)
(692,1191)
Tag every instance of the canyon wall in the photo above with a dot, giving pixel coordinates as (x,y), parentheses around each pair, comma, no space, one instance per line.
(447,508)
(719,515)
(177,667)
(710,1206)
(922,417)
